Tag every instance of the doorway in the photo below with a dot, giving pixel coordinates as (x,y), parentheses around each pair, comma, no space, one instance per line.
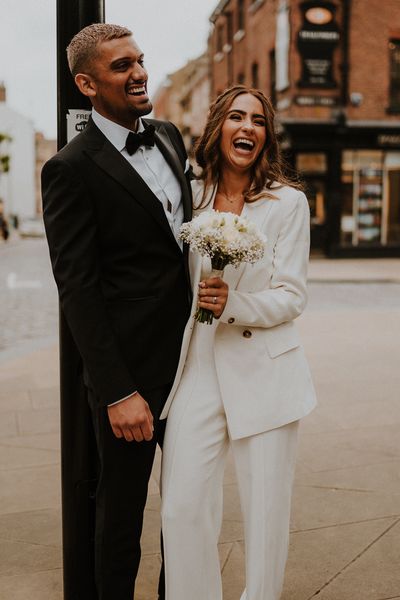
(312,167)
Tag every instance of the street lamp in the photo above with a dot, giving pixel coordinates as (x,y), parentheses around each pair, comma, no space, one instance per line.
(77,439)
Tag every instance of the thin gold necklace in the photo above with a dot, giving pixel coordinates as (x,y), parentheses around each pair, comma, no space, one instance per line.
(228,198)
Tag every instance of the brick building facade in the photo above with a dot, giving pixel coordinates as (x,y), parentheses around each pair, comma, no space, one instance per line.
(184,99)
(332,69)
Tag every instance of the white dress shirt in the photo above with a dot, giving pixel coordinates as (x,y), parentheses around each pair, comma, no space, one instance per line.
(152,167)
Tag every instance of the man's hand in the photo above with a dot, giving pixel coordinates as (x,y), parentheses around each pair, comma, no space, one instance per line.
(132,419)
(213,294)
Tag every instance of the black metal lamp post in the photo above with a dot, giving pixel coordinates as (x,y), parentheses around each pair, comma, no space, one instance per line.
(77,441)
(72,16)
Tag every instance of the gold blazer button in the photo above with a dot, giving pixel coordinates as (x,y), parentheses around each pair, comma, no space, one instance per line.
(231,320)
(247,333)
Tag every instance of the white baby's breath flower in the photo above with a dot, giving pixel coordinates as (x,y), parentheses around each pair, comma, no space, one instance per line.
(224,237)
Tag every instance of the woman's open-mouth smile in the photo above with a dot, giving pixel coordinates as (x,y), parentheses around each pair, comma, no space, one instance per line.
(243,145)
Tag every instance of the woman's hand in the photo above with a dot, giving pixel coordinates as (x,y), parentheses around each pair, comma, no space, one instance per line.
(213,294)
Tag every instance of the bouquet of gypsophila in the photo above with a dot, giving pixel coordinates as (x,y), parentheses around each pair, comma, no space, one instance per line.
(227,239)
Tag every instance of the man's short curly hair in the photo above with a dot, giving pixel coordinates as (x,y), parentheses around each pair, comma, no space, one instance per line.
(83,46)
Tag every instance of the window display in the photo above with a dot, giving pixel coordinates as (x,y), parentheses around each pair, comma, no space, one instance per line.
(371,198)
(368,206)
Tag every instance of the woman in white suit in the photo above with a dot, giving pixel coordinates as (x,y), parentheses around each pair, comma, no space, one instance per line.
(242,382)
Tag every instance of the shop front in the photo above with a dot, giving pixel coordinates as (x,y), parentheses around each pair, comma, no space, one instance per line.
(352,180)
(370,215)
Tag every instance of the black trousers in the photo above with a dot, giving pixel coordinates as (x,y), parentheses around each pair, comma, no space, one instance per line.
(124,470)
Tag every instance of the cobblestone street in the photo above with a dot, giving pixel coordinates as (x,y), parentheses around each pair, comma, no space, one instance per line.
(28,297)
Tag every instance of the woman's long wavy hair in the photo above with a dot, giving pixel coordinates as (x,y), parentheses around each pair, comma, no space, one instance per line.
(268,169)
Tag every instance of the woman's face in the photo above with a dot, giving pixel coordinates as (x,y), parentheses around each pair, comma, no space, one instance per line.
(243,133)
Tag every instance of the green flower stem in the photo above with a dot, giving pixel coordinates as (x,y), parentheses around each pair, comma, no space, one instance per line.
(204,315)
(218,263)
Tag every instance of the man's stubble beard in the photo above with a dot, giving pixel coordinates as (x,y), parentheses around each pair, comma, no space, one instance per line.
(141,112)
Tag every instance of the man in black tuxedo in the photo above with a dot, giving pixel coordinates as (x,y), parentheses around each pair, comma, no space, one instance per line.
(114,199)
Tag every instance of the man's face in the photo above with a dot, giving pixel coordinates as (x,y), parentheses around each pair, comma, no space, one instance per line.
(117,84)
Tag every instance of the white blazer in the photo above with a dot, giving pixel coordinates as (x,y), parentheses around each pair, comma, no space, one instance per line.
(262,370)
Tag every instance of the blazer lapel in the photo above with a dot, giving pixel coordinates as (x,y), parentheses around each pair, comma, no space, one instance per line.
(257,212)
(105,155)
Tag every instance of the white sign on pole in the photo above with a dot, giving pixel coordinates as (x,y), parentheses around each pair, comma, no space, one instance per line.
(77,119)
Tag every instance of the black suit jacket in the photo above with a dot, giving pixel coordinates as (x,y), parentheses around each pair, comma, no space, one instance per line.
(122,278)
(123,286)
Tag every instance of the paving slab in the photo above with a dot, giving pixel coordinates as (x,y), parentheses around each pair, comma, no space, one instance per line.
(41,527)
(374,574)
(20,558)
(14,400)
(361,415)
(233,580)
(336,548)
(322,506)
(231,531)
(45,441)
(338,449)
(45,420)
(382,478)
(151,528)
(46,397)
(224,551)
(14,457)
(8,423)
(15,381)
(147,580)
(44,585)
(29,489)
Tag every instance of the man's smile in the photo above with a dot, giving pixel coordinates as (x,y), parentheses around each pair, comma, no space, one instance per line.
(137,90)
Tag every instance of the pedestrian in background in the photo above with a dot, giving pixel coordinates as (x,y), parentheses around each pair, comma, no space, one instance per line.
(4,229)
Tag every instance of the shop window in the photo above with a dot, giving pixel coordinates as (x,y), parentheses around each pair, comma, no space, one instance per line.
(272,77)
(254,75)
(240,15)
(229,29)
(392,216)
(370,198)
(394,50)
(220,38)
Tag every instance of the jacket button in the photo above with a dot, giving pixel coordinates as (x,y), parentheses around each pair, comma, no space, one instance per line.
(247,333)
(231,320)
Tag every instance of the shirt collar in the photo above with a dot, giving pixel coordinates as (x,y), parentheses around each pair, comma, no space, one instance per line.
(115,133)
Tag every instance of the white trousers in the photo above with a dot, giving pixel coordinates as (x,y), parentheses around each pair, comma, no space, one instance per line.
(194,453)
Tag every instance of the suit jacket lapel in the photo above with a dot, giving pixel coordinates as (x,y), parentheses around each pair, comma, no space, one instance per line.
(167,149)
(109,159)
(165,145)
(257,212)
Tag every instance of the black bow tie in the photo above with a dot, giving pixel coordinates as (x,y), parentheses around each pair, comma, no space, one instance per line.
(144,138)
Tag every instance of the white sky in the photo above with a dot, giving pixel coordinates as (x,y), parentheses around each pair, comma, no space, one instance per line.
(169,32)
